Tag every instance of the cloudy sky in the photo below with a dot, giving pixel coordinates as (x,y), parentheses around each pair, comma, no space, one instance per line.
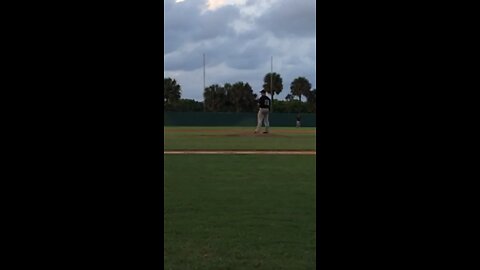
(238,37)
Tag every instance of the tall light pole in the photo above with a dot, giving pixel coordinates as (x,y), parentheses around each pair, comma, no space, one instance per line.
(271,83)
(204,105)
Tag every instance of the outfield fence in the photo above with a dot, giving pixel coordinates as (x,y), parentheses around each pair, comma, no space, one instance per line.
(234,119)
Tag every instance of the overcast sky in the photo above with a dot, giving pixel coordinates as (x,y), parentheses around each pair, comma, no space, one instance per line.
(238,37)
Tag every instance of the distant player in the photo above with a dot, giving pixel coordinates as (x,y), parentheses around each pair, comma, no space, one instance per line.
(298,120)
(263,111)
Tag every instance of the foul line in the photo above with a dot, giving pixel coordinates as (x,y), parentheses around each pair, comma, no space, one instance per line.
(239,152)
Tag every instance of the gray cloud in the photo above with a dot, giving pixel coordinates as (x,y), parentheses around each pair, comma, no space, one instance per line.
(290,18)
(285,30)
(185,24)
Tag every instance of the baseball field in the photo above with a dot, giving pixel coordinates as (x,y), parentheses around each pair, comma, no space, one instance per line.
(238,200)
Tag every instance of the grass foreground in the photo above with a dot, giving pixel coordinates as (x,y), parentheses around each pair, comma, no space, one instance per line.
(239,212)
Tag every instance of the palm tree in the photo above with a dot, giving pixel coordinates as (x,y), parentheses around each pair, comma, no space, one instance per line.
(247,102)
(300,86)
(312,99)
(214,98)
(240,97)
(276,87)
(230,98)
(235,96)
(208,97)
(171,91)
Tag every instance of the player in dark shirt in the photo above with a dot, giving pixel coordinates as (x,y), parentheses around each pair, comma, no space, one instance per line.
(263,111)
(298,120)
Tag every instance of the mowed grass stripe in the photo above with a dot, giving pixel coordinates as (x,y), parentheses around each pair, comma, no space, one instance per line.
(239,212)
(237,152)
(219,138)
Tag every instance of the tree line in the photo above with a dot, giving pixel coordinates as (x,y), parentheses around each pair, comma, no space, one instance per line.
(240,97)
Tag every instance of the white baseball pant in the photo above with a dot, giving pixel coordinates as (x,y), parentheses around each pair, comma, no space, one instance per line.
(262,117)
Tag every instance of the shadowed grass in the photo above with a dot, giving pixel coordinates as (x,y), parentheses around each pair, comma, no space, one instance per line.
(239,212)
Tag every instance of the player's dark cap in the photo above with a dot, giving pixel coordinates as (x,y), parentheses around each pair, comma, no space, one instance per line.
(263,92)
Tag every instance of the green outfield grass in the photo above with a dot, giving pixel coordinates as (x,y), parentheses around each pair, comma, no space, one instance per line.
(216,138)
(240,211)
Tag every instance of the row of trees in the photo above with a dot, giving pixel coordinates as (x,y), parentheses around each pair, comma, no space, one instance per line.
(281,106)
(273,84)
(239,97)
